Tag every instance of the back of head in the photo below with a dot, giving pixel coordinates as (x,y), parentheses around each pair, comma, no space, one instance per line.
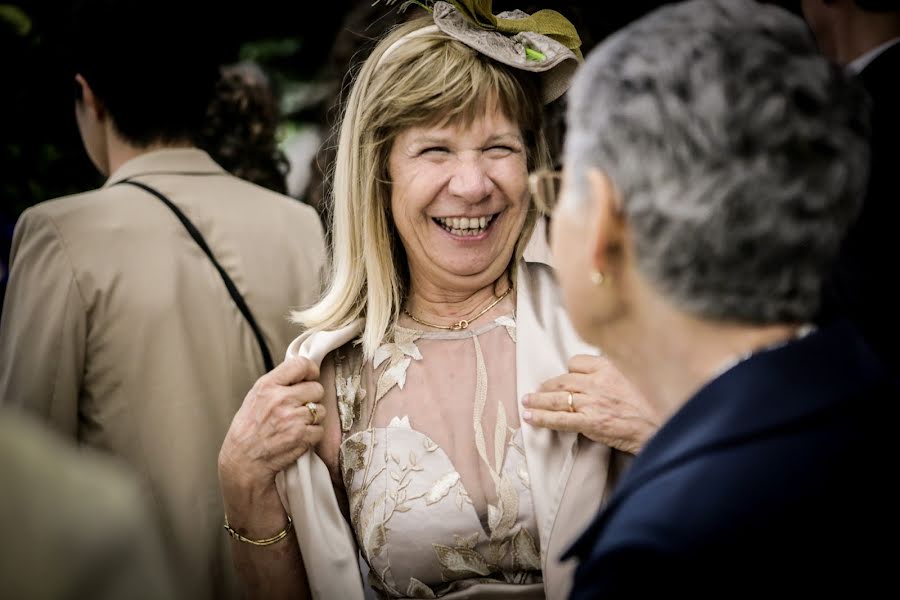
(153,65)
(241,128)
(738,151)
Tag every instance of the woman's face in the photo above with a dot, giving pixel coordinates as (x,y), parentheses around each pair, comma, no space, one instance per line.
(459,199)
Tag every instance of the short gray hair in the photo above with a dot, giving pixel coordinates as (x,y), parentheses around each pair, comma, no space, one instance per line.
(739,152)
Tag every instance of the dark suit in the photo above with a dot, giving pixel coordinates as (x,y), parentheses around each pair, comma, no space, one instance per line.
(771,478)
(866,268)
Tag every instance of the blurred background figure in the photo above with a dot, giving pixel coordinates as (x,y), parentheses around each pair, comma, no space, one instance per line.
(864,37)
(75,524)
(138,314)
(714,161)
(241,127)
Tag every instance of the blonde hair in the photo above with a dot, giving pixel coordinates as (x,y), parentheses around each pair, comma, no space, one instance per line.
(426,79)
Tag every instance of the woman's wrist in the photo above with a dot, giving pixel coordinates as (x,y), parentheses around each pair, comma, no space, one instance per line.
(252,505)
(255,515)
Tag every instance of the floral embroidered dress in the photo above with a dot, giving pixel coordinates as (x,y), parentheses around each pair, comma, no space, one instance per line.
(433,464)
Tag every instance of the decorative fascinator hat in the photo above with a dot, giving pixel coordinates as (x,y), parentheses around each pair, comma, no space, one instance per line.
(545,42)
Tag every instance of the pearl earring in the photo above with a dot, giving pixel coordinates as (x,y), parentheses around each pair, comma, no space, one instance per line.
(597,278)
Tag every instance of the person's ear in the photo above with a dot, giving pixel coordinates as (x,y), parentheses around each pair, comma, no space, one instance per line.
(85,95)
(608,223)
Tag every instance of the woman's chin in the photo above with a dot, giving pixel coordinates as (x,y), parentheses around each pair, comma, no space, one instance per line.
(468,270)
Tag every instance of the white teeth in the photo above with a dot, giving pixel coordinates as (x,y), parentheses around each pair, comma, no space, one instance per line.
(465,226)
(465,222)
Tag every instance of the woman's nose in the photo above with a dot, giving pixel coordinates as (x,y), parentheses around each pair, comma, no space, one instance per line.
(470,180)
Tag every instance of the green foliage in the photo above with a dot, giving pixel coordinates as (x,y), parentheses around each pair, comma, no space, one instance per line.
(270,50)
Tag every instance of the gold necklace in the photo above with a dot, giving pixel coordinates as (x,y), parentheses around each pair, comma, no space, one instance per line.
(462,324)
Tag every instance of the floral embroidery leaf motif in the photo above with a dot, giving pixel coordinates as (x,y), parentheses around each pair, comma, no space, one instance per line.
(350,393)
(441,488)
(460,562)
(480,401)
(352,459)
(417,589)
(376,539)
(398,354)
(414,462)
(500,438)
(350,396)
(462,498)
(507,509)
(466,541)
(365,518)
(525,554)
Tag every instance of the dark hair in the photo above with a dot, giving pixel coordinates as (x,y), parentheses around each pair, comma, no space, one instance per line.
(241,126)
(153,65)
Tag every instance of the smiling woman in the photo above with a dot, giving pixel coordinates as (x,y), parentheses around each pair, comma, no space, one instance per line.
(432,329)
(459,205)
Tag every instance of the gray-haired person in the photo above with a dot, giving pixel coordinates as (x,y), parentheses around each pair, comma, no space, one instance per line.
(714,161)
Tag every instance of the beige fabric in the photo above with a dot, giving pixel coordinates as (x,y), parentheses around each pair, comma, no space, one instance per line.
(563,505)
(75,525)
(555,70)
(431,434)
(118,330)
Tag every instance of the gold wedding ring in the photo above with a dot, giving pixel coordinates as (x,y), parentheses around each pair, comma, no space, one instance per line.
(571,403)
(314,411)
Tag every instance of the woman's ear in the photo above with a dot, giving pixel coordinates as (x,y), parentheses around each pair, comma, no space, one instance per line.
(608,226)
(86,96)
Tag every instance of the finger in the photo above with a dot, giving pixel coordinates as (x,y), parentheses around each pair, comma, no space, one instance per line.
(570,382)
(550,401)
(284,454)
(293,370)
(314,434)
(305,391)
(585,363)
(554,419)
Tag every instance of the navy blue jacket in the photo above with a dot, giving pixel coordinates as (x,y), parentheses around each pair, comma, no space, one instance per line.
(772,478)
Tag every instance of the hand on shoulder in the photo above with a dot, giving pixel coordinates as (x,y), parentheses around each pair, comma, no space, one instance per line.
(595,400)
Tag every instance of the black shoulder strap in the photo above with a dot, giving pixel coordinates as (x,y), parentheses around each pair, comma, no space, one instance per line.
(229,284)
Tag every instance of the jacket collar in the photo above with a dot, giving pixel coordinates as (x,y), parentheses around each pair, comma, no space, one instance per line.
(185,161)
(859,64)
(773,389)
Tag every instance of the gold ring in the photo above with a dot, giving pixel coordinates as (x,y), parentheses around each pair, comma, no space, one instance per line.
(571,403)
(313,410)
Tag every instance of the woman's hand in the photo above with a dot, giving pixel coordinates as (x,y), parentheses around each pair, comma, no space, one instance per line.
(605,407)
(271,430)
(273,427)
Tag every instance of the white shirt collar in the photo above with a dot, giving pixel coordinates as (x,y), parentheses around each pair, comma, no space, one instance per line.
(856,66)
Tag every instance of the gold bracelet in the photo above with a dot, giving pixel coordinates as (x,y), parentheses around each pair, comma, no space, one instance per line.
(276,538)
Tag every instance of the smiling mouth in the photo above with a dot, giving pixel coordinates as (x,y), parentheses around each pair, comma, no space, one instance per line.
(465,226)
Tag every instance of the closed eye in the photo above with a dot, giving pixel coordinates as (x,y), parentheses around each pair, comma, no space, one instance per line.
(501,149)
(434,150)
